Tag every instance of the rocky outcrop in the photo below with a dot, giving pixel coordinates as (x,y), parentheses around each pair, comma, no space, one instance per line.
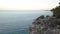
(46,25)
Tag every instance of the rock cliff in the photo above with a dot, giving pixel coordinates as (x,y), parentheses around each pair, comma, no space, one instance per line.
(46,25)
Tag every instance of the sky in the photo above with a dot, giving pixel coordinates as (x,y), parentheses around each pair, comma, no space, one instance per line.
(28,4)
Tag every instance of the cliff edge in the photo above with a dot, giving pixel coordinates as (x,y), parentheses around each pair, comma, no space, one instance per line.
(46,25)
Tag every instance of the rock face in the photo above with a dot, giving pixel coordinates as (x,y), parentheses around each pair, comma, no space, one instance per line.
(45,26)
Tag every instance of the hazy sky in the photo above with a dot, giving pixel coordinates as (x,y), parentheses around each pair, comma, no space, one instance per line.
(27,4)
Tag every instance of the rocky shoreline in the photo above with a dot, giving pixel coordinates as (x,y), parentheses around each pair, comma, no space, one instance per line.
(46,25)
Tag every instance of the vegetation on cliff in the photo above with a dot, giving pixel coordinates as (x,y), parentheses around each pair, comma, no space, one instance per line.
(56,11)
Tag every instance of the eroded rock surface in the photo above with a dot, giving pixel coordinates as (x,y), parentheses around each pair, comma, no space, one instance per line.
(48,25)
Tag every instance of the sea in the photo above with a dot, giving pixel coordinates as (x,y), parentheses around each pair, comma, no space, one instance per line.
(18,21)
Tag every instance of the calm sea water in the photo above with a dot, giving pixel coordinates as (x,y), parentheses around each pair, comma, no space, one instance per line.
(17,22)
